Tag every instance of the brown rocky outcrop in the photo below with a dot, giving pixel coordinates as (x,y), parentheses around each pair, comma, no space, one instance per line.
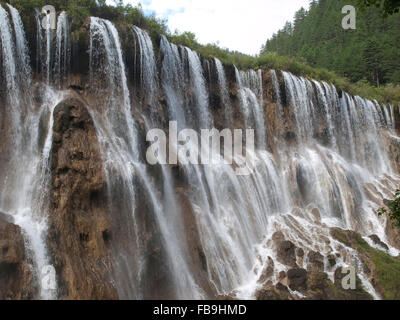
(382,269)
(79,228)
(297,279)
(321,288)
(271,292)
(393,234)
(285,250)
(16,278)
(316,261)
(375,239)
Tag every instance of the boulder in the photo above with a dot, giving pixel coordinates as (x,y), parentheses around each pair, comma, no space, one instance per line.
(315,261)
(297,279)
(16,279)
(332,260)
(375,239)
(286,253)
(268,271)
(271,292)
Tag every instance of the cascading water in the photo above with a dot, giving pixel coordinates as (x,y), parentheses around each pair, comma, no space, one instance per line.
(202,115)
(24,186)
(250,94)
(63,49)
(314,170)
(224,93)
(39,41)
(174,82)
(122,160)
(145,64)
(22,49)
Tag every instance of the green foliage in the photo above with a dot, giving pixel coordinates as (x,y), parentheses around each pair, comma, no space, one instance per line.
(394,210)
(386,269)
(388,7)
(79,10)
(370,52)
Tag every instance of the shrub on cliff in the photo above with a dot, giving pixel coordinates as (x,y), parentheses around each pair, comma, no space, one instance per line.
(393,209)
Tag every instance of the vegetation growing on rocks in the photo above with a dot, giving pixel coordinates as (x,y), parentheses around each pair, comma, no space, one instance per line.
(385,268)
(393,210)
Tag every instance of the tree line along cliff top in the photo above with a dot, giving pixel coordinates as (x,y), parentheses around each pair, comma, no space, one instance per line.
(364,62)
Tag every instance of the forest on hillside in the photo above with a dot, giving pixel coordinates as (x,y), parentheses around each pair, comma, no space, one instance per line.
(371,52)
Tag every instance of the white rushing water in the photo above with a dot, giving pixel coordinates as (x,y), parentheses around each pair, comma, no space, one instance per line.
(63,49)
(26,175)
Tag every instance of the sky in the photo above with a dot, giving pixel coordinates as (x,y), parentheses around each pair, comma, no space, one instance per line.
(237,25)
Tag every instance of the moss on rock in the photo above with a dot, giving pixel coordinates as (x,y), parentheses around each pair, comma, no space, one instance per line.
(385,268)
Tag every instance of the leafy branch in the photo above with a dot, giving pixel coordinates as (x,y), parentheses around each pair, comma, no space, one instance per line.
(393,210)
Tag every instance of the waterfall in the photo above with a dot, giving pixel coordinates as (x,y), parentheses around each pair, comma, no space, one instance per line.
(63,49)
(393,121)
(145,63)
(217,195)
(9,61)
(173,82)
(121,160)
(224,93)
(25,182)
(21,49)
(250,95)
(201,106)
(116,128)
(298,90)
(49,34)
(39,41)
(194,231)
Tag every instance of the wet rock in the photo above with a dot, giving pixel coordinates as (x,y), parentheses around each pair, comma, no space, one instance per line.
(315,261)
(375,239)
(321,288)
(195,248)
(286,253)
(278,236)
(297,279)
(270,292)
(16,279)
(332,260)
(226,298)
(268,271)
(282,275)
(358,293)
(316,214)
(6,218)
(347,237)
(393,234)
(300,252)
(80,234)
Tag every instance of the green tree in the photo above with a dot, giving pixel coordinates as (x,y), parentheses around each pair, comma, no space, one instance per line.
(388,7)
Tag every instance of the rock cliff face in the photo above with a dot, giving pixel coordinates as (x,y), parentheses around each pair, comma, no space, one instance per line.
(118,228)
(79,225)
(16,277)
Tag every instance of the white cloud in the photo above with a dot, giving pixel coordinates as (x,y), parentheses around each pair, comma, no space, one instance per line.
(237,25)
